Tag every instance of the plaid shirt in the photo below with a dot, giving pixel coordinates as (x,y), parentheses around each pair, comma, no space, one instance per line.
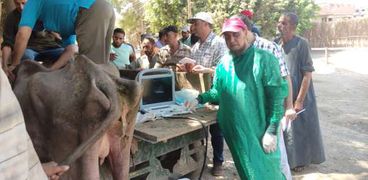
(18,158)
(275,49)
(165,58)
(210,51)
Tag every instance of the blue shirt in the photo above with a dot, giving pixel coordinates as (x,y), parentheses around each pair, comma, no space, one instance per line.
(57,15)
(122,55)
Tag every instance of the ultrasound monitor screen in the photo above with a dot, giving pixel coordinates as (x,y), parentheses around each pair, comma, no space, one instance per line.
(157,90)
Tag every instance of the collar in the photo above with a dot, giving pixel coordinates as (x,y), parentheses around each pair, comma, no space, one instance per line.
(209,38)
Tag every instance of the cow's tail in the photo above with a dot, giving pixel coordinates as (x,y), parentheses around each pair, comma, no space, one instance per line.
(112,115)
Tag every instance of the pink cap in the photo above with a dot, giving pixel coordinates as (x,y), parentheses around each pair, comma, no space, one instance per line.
(233,25)
(247,13)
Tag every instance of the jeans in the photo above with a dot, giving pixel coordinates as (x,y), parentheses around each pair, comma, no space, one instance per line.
(217,141)
(45,55)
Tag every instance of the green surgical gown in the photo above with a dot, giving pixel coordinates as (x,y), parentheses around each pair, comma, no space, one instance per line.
(250,92)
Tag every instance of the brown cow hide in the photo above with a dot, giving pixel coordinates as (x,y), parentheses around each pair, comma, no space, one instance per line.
(79,114)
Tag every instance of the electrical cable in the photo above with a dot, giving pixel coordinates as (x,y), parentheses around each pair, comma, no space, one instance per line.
(206,145)
(205,135)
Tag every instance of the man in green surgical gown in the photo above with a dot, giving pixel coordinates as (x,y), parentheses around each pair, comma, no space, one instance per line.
(250,91)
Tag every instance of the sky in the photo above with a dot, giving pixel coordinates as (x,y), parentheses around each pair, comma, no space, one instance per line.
(358,3)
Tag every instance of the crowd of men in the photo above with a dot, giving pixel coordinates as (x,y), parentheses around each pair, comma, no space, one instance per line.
(285,91)
(258,84)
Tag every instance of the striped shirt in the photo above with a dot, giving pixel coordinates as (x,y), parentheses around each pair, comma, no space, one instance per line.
(18,158)
(210,51)
(275,49)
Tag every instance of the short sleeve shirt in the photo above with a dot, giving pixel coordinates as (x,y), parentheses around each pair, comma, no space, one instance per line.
(57,15)
(209,52)
(123,52)
(39,40)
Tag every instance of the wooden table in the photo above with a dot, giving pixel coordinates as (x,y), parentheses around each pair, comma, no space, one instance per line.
(170,147)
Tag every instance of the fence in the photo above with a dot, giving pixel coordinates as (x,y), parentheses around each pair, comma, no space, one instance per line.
(347,33)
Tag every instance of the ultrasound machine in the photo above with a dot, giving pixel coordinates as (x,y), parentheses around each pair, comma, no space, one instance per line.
(159,93)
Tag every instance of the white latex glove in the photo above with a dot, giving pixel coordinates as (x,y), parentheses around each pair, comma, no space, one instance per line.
(191,105)
(269,143)
(149,116)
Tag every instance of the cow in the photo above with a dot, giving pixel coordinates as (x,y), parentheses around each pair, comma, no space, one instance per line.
(79,115)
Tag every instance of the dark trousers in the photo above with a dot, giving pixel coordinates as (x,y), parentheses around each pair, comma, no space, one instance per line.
(217,141)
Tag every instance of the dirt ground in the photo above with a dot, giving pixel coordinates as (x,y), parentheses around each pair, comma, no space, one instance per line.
(341,87)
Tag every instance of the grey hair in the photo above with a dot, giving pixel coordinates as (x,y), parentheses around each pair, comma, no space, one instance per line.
(293,17)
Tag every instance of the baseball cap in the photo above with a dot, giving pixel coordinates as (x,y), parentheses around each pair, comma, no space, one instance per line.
(204,16)
(185,29)
(233,25)
(247,13)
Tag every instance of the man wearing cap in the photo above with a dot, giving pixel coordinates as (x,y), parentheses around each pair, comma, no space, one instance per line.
(185,33)
(290,113)
(250,92)
(206,53)
(249,15)
(173,51)
(210,48)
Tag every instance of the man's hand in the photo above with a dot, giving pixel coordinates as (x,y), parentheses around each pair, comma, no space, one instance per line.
(269,143)
(53,171)
(113,56)
(290,114)
(65,57)
(9,72)
(191,104)
(298,105)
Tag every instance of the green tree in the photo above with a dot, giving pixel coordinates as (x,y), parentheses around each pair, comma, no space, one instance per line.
(131,18)
(220,9)
(157,14)
(266,13)
(306,10)
(161,13)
